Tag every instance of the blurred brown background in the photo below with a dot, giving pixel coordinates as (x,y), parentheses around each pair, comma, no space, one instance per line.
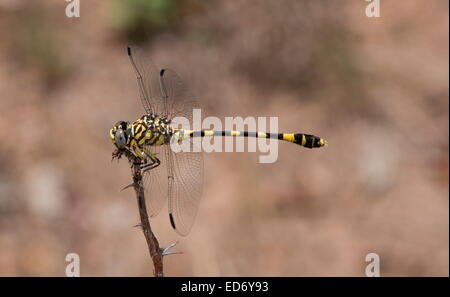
(375,88)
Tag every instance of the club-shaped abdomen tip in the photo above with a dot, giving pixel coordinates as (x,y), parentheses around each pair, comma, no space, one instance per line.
(322,142)
(315,141)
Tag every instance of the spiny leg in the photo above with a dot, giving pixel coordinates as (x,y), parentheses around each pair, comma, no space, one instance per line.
(117,154)
(155,161)
(151,166)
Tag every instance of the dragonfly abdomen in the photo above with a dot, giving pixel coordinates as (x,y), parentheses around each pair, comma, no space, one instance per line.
(305,140)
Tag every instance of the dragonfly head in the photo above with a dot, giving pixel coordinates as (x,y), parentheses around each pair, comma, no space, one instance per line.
(121,134)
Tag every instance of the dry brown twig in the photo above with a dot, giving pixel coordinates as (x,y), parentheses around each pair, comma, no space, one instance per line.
(156,253)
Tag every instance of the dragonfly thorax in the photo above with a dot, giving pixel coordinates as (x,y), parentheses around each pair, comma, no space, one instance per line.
(151,130)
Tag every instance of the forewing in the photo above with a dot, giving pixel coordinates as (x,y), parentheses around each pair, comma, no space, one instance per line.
(148,79)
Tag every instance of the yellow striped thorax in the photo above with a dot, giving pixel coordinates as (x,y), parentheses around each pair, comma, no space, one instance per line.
(150,129)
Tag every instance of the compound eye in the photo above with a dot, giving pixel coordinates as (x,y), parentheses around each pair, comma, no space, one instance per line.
(121,139)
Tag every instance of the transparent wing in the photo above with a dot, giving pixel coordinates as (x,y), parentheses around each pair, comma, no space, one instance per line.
(179,177)
(185,169)
(162,91)
(148,80)
(177,99)
(155,181)
(185,185)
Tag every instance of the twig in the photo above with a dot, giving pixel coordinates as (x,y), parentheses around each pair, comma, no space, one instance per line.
(156,253)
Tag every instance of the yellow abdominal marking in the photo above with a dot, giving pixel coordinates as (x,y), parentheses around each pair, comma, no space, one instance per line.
(289,137)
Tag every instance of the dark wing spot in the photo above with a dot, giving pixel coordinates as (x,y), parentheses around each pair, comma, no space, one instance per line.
(172,222)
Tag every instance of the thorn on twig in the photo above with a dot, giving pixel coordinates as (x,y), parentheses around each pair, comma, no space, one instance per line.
(166,251)
(129,186)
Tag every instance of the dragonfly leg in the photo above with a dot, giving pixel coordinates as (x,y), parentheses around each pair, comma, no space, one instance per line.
(138,153)
(148,167)
(155,161)
(117,154)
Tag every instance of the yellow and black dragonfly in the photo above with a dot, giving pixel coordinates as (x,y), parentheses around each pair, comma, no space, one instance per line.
(178,177)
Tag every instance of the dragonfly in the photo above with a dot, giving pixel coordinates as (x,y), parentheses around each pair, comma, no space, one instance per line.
(172,175)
